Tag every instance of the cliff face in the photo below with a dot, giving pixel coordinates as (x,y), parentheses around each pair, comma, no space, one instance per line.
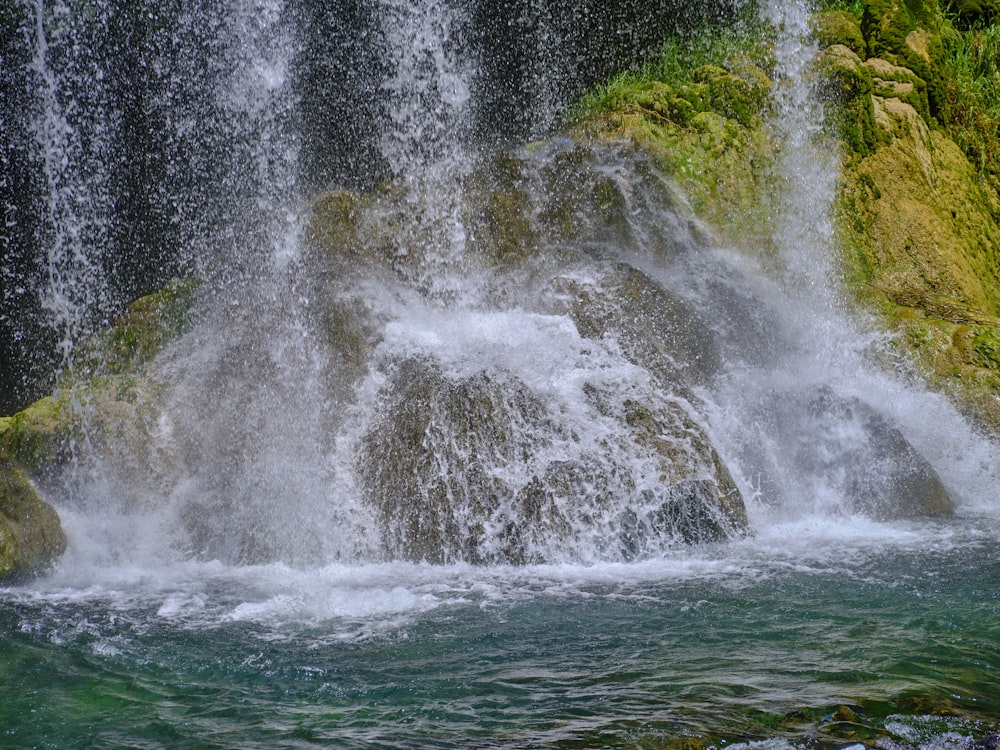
(910,97)
(919,214)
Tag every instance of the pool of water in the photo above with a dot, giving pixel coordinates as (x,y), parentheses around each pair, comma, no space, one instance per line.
(821,633)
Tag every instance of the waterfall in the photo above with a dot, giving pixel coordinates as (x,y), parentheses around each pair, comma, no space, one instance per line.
(429,89)
(807,414)
(497,354)
(72,147)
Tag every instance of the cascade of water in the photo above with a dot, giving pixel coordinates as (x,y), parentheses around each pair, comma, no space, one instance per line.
(429,89)
(806,162)
(428,146)
(258,106)
(326,407)
(72,148)
(811,413)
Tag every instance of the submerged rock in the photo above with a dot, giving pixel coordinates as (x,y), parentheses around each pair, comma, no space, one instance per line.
(31,536)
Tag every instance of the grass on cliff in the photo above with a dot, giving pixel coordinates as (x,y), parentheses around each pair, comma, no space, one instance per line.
(972,74)
(675,63)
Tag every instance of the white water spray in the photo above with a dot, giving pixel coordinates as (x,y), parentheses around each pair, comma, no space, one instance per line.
(72,152)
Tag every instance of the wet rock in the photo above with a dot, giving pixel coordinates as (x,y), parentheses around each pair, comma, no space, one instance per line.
(477,468)
(842,448)
(656,329)
(31,536)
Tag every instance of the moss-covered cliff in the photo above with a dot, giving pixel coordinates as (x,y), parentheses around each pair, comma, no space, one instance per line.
(912,94)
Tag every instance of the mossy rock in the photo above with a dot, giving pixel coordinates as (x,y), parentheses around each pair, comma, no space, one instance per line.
(477,468)
(921,233)
(847,86)
(655,329)
(501,228)
(722,168)
(871,467)
(896,82)
(103,403)
(39,437)
(839,27)
(141,332)
(31,536)
(906,33)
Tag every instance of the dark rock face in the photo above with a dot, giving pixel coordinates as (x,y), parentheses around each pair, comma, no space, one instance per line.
(31,536)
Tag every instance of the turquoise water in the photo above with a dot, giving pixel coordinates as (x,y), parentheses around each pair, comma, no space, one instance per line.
(759,640)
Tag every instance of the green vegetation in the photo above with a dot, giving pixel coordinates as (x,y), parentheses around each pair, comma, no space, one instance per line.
(675,66)
(697,107)
(913,95)
(972,75)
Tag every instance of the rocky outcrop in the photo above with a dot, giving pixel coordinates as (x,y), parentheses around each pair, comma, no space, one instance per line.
(31,536)
(920,224)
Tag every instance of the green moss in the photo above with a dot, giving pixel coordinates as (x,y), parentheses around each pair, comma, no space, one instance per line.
(907,33)
(31,536)
(839,27)
(847,87)
(146,326)
(37,438)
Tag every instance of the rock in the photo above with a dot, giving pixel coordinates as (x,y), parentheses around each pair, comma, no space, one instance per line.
(848,86)
(906,34)
(838,27)
(843,448)
(31,536)
(39,438)
(896,82)
(476,468)
(655,329)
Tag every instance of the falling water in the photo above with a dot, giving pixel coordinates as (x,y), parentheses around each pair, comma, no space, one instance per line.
(72,150)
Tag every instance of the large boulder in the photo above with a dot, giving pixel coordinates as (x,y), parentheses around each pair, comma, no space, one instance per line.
(478,468)
(31,536)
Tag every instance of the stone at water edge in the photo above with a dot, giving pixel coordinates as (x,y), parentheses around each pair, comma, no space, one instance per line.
(31,536)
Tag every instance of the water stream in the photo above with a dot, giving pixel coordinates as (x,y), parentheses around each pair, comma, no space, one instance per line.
(514,456)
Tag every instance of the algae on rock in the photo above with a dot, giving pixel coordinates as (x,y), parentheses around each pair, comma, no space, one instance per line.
(31,536)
